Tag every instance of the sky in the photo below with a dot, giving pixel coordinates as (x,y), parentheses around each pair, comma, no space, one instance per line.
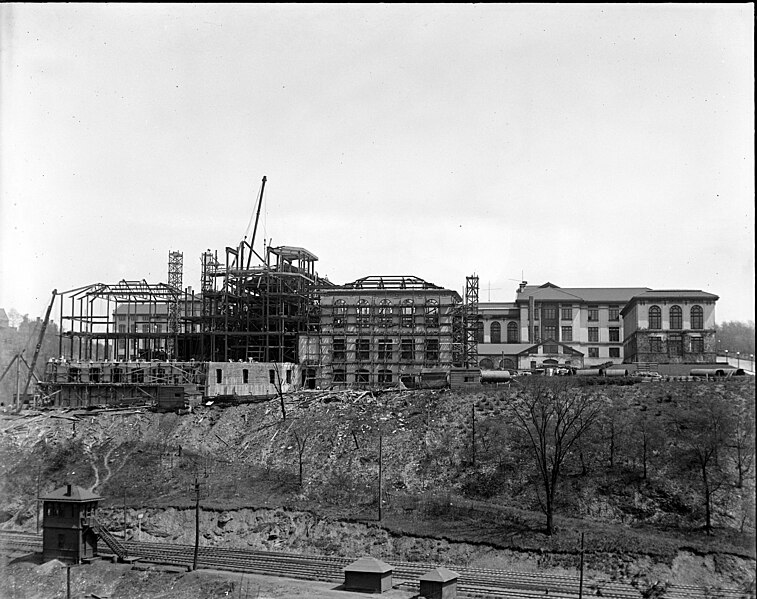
(596,145)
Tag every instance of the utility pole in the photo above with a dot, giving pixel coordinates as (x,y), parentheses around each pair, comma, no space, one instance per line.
(18,382)
(197,523)
(581,578)
(37,510)
(473,432)
(381,466)
(124,515)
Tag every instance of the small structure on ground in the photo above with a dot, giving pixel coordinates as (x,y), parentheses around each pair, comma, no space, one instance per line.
(440,583)
(68,533)
(368,574)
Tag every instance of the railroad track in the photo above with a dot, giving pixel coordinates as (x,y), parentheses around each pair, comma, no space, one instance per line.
(473,582)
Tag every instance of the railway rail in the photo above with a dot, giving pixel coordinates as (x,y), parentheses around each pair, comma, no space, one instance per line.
(473,582)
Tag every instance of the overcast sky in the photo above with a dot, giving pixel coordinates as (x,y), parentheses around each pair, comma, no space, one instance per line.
(590,146)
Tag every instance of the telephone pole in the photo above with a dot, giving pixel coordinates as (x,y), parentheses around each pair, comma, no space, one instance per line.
(197,522)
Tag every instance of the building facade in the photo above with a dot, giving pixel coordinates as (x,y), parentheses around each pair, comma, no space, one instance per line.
(378,331)
(670,327)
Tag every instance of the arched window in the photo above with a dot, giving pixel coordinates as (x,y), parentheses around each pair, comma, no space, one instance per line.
(384,376)
(495,332)
(655,317)
(363,313)
(340,313)
(697,317)
(406,315)
(676,317)
(385,313)
(512,332)
(486,364)
(506,363)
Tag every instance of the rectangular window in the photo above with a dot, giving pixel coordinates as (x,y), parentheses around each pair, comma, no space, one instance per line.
(593,313)
(121,328)
(655,345)
(550,332)
(407,315)
(362,376)
(289,377)
(407,349)
(61,541)
(219,375)
(363,350)
(567,314)
(593,352)
(363,315)
(537,337)
(385,349)
(549,313)
(145,328)
(614,352)
(550,349)
(614,334)
(384,376)
(593,334)
(272,377)
(158,328)
(675,346)
(245,376)
(339,376)
(432,350)
(697,345)
(614,313)
(567,333)
(339,352)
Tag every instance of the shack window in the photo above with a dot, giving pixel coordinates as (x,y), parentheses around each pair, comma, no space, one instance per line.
(245,376)
(219,375)
(272,377)
(289,376)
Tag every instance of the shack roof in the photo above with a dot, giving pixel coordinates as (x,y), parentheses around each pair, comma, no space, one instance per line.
(440,574)
(368,564)
(71,493)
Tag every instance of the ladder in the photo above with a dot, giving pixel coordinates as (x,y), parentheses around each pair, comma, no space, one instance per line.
(115,545)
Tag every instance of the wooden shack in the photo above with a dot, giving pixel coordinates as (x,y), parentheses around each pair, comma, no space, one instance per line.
(440,583)
(368,574)
(67,532)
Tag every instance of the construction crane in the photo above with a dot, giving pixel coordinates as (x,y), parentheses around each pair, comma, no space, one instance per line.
(39,344)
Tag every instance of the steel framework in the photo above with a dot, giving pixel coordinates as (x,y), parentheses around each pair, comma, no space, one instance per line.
(472,321)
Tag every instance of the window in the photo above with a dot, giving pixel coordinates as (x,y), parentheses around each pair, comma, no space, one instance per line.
(549,313)
(495,332)
(593,352)
(537,337)
(289,376)
(567,313)
(537,311)
(158,328)
(407,349)
(550,349)
(486,364)
(339,376)
(675,346)
(74,375)
(655,345)
(432,350)
(363,349)
(676,317)
(272,377)
(117,375)
(697,317)
(245,376)
(512,332)
(121,328)
(362,376)
(432,313)
(593,334)
(593,313)
(614,313)
(61,541)
(614,352)
(384,376)
(219,375)
(550,332)
(138,376)
(340,313)
(145,328)
(697,345)
(566,333)
(614,334)
(655,317)
(385,313)
(385,349)
(480,331)
(363,313)
(406,313)
(339,351)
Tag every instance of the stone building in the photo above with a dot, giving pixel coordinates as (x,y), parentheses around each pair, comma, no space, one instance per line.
(670,327)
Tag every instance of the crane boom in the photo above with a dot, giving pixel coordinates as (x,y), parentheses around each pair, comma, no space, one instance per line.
(39,342)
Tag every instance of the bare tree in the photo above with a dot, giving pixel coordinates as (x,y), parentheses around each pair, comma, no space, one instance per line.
(553,414)
(301,440)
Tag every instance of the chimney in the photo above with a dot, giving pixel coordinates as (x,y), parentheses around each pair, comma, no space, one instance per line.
(68,491)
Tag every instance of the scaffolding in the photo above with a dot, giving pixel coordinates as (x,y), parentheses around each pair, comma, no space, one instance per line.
(175,276)
(473,321)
